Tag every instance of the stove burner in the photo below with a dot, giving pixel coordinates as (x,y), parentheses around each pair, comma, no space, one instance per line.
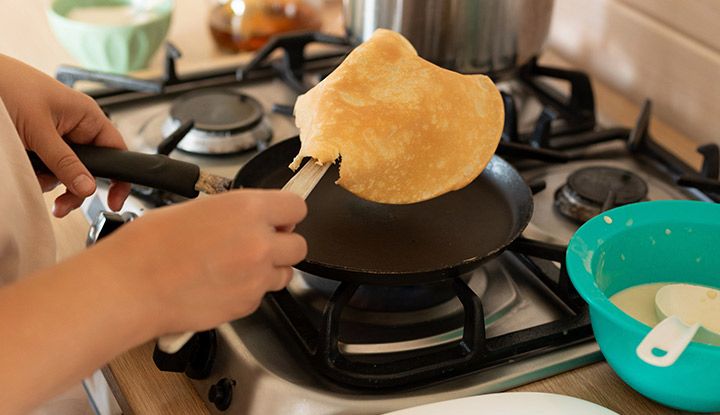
(225,122)
(595,189)
(394,299)
(380,319)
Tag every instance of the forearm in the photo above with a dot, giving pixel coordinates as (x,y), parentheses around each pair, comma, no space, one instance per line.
(60,324)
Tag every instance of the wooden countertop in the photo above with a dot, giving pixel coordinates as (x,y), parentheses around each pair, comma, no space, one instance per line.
(139,386)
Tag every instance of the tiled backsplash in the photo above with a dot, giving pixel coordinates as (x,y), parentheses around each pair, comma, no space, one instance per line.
(666,50)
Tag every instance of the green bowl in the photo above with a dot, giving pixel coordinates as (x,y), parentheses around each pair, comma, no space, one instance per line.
(642,243)
(118,48)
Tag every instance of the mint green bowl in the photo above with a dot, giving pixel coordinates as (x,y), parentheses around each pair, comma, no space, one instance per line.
(110,47)
(662,241)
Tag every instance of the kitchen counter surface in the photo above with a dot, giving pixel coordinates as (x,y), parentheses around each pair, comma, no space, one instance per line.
(142,389)
(138,385)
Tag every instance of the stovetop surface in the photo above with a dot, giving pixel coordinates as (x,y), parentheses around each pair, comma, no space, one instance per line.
(547,224)
(271,374)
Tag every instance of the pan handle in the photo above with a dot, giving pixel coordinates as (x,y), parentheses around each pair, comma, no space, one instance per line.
(151,170)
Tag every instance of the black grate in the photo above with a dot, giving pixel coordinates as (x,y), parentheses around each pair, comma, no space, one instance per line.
(474,352)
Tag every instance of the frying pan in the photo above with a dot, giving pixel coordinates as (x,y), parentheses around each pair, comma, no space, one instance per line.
(352,239)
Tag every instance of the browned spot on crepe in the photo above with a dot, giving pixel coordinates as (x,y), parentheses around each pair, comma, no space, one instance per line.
(407,130)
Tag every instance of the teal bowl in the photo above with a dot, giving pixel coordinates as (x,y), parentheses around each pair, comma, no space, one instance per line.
(110,47)
(661,241)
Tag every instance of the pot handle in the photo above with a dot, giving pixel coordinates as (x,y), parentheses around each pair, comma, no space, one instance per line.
(151,170)
(671,337)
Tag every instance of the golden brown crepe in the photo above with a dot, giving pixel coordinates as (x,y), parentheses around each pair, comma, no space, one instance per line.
(407,130)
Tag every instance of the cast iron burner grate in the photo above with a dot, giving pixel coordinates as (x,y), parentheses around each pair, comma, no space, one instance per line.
(122,90)
(474,352)
(595,189)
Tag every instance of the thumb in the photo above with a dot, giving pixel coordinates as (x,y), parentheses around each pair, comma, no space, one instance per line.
(67,167)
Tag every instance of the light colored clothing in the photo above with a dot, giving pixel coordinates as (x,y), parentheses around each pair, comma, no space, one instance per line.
(26,238)
(27,242)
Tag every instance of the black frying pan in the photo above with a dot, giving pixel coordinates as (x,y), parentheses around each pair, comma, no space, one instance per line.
(351,239)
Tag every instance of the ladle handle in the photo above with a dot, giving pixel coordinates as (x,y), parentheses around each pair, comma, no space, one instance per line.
(670,338)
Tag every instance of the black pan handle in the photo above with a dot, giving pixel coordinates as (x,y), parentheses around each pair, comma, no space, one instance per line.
(151,170)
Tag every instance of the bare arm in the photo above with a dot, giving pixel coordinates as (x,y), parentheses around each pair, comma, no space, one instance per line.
(181,268)
(61,324)
(185,267)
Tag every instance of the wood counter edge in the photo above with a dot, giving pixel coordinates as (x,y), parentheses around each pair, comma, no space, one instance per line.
(116,390)
(141,388)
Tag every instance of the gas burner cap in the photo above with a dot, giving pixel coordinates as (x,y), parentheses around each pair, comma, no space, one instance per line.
(591,190)
(225,122)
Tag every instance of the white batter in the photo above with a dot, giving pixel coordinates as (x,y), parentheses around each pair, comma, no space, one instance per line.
(639,302)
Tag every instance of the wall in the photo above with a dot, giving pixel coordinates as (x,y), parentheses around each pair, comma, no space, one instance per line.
(666,50)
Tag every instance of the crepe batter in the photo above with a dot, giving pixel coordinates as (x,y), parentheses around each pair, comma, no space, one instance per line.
(639,303)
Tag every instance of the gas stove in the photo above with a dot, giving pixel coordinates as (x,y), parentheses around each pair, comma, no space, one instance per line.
(325,347)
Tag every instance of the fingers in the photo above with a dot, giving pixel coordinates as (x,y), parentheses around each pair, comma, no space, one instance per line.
(283,209)
(281,279)
(95,128)
(68,201)
(65,203)
(288,249)
(63,162)
(92,126)
(117,194)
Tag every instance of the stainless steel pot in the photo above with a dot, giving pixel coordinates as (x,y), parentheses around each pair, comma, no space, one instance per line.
(469,36)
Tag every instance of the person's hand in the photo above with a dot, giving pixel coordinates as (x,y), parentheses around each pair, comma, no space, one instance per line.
(195,265)
(186,267)
(44,111)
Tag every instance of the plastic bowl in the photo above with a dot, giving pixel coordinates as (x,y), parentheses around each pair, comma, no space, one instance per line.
(110,48)
(661,241)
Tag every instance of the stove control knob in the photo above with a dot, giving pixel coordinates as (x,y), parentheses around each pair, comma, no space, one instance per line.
(107,223)
(220,394)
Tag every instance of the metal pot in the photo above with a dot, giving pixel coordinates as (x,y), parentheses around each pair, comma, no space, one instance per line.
(469,36)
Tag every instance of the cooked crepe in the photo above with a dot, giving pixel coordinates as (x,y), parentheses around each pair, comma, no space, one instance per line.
(405,129)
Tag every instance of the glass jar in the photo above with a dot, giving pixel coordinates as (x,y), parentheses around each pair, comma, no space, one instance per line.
(245,25)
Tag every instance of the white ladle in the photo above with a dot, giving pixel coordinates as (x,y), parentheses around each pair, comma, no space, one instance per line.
(678,305)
